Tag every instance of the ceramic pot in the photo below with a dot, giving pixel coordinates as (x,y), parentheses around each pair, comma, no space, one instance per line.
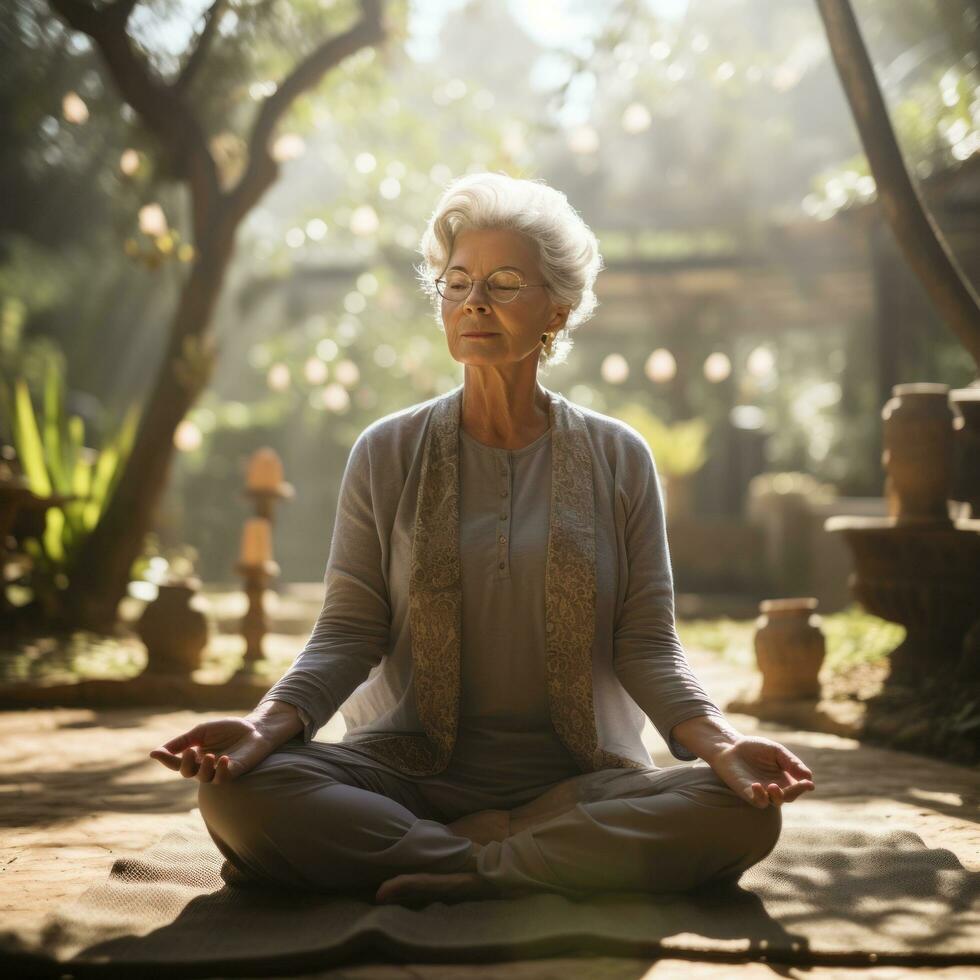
(966,482)
(789,648)
(174,632)
(918,453)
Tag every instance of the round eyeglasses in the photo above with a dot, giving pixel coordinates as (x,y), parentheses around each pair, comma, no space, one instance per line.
(503,286)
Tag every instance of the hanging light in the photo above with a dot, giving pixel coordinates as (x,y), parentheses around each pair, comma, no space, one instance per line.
(364,220)
(661,366)
(188,437)
(335,398)
(129,162)
(347,373)
(636,118)
(761,362)
(615,369)
(74,109)
(315,370)
(278,377)
(717,367)
(152,220)
(289,146)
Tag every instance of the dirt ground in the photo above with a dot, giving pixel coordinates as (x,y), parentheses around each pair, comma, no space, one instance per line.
(77,790)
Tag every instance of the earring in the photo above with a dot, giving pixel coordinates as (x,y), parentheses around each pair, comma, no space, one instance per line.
(546,339)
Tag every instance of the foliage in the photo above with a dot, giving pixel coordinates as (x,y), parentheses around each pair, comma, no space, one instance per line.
(729,639)
(855,637)
(928,63)
(32,280)
(678,448)
(54,459)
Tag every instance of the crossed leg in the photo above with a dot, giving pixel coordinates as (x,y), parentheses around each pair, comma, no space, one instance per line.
(300,820)
(670,830)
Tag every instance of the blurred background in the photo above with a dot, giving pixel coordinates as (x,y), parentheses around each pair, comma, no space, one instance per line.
(753,315)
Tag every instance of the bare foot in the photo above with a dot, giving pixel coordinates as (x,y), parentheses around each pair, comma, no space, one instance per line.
(421,889)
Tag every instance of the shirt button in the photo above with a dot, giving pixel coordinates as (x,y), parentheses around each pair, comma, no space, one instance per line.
(502,539)
(503,493)
(503,517)
(501,565)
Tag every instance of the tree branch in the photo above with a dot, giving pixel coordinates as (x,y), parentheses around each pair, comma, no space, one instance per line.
(262,169)
(920,239)
(163,111)
(194,62)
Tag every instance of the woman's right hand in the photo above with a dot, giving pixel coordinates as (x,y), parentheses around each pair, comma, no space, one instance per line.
(221,750)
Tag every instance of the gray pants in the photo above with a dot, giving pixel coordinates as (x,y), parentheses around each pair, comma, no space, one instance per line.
(318,816)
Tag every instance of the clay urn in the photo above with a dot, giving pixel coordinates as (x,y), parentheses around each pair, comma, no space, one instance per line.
(789,649)
(966,487)
(918,453)
(174,632)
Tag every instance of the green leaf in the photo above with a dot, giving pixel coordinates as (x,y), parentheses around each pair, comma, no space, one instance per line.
(53,451)
(81,477)
(123,444)
(27,440)
(53,529)
(74,442)
(90,515)
(965,726)
(105,467)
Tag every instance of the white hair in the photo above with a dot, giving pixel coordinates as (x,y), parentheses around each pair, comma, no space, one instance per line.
(568,251)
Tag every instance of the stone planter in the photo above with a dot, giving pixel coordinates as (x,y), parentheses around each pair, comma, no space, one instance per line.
(174,632)
(789,649)
(923,576)
(918,453)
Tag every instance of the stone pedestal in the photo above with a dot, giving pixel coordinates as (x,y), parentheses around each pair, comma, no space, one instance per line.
(924,576)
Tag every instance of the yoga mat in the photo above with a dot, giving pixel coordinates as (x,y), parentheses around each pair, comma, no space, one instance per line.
(826,894)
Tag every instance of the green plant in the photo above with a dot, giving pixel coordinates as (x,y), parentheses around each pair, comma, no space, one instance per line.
(855,637)
(56,462)
(679,449)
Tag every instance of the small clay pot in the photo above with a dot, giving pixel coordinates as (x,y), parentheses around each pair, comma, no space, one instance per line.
(918,453)
(789,649)
(174,632)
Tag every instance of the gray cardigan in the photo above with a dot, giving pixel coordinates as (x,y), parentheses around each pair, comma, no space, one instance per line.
(358,658)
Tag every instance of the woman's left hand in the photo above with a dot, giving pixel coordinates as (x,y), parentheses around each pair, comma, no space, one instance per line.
(762,771)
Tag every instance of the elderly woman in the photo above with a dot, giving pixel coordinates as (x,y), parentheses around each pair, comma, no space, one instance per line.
(497,625)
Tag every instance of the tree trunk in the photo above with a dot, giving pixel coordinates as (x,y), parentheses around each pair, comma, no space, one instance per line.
(99,575)
(101,572)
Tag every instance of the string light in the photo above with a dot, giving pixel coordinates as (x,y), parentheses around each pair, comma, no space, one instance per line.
(615,369)
(661,366)
(717,367)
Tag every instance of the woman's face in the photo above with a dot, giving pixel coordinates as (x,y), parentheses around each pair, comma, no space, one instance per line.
(510,331)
